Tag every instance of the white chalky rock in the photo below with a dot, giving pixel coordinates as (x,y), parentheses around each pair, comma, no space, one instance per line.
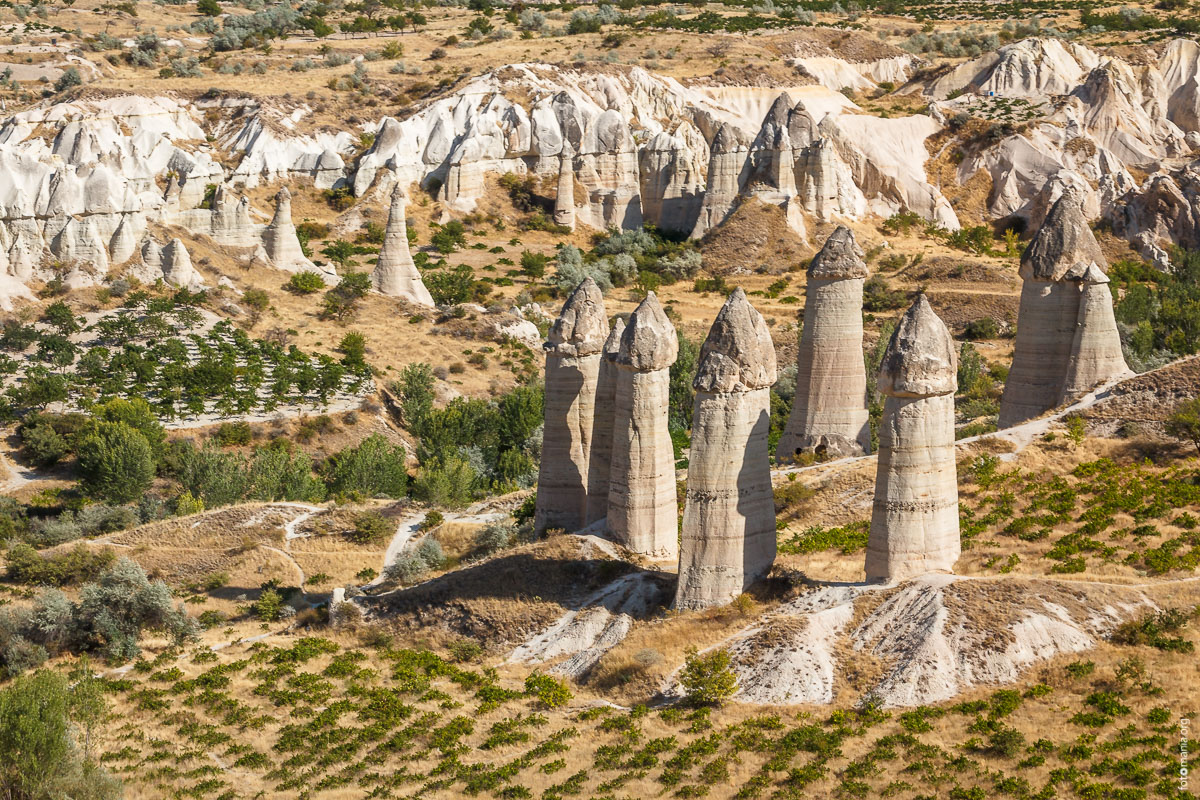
(641,495)
(564,199)
(177,267)
(600,464)
(395,274)
(672,178)
(608,173)
(914,519)
(573,355)
(728,539)
(829,412)
(727,160)
(1050,341)
(279,238)
(771,172)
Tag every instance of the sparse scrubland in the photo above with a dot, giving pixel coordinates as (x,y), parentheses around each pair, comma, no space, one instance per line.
(271,533)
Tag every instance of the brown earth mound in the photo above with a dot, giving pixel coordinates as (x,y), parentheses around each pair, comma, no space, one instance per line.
(755,238)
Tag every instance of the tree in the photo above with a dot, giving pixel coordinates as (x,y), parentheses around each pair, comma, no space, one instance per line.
(340,252)
(1184,422)
(137,414)
(59,316)
(209,8)
(373,468)
(69,79)
(341,301)
(449,237)
(88,705)
(708,679)
(35,742)
(116,463)
(533,265)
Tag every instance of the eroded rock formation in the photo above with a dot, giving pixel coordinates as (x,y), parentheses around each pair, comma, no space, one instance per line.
(641,496)
(177,267)
(1051,344)
(395,274)
(728,539)
(829,411)
(279,238)
(914,519)
(600,462)
(564,199)
(573,355)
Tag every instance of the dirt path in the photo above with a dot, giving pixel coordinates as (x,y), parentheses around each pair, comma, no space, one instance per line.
(409,527)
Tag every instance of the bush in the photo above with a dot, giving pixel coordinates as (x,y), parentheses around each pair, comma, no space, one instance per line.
(233,434)
(68,80)
(373,468)
(879,296)
(429,552)
(551,692)
(81,563)
(708,679)
(450,483)
(306,282)
(43,446)
(115,463)
(493,538)
(269,605)
(1184,422)
(209,8)
(371,527)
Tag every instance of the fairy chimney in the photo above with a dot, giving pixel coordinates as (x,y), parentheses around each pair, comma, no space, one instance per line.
(395,274)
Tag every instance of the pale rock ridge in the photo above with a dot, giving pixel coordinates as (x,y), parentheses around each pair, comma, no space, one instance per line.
(829,410)
(124,242)
(573,355)
(1053,356)
(177,267)
(279,237)
(728,539)
(771,173)
(1031,68)
(564,198)
(641,498)
(600,462)
(914,519)
(825,183)
(608,173)
(726,164)
(395,274)
(672,178)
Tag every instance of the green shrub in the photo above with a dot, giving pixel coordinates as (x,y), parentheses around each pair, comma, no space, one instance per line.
(708,679)
(269,605)
(373,468)
(80,563)
(116,463)
(552,693)
(232,434)
(306,282)
(371,527)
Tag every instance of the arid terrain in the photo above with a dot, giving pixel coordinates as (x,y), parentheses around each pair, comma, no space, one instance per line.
(281,367)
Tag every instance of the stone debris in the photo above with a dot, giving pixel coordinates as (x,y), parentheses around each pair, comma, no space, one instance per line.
(1067,341)
(914,519)
(395,274)
(573,356)
(641,498)
(829,411)
(728,539)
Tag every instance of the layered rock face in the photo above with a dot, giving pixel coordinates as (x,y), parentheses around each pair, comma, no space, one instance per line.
(608,172)
(564,199)
(727,160)
(772,173)
(641,495)
(600,462)
(395,274)
(829,411)
(914,519)
(728,539)
(1052,343)
(672,169)
(279,238)
(573,355)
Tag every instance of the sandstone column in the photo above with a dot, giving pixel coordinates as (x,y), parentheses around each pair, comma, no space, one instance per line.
(728,539)
(1096,354)
(395,274)
(572,373)
(1062,250)
(279,238)
(829,411)
(641,495)
(914,520)
(600,463)
(726,163)
(564,199)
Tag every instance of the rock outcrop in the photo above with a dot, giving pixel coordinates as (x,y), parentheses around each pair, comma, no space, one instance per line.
(573,355)
(1055,270)
(600,464)
(279,238)
(564,199)
(395,274)
(829,411)
(177,267)
(728,539)
(726,162)
(641,495)
(914,519)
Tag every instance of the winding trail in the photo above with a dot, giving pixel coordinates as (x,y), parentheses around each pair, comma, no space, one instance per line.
(410,526)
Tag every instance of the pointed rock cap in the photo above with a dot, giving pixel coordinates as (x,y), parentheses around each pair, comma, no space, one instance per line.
(727,140)
(612,345)
(775,123)
(399,199)
(920,360)
(567,150)
(1064,245)
(738,355)
(648,342)
(840,257)
(152,254)
(1093,275)
(581,328)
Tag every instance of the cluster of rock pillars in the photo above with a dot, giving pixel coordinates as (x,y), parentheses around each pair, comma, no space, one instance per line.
(607,459)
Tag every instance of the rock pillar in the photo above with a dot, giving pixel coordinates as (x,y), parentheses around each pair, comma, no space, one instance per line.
(728,539)
(279,238)
(1096,351)
(829,411)
(564,199)
(914,520)
(641,496)
(395,274)
(573,356)
(600,464)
